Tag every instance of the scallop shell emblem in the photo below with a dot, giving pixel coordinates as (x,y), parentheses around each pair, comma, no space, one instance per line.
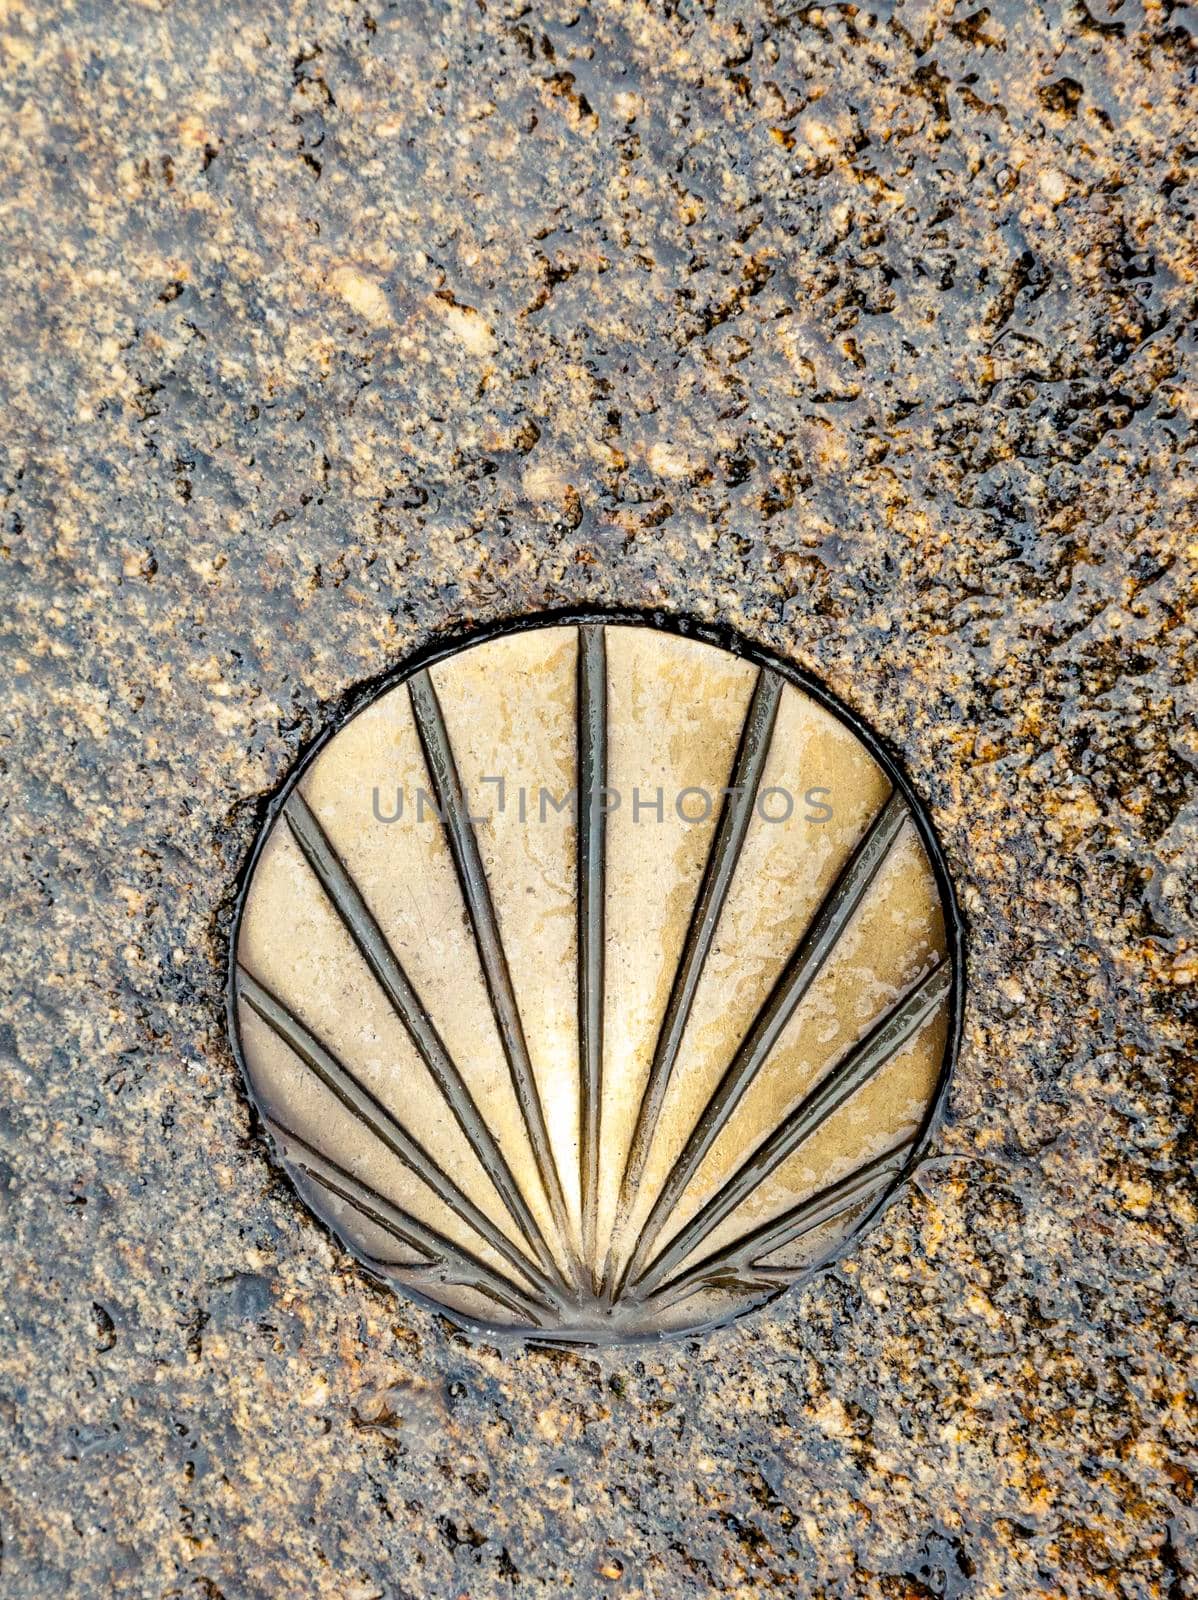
(595,980)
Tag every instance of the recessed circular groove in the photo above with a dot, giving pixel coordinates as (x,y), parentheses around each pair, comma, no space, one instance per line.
(596,978)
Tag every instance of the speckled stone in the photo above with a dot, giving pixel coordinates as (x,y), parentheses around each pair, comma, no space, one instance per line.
(330,328)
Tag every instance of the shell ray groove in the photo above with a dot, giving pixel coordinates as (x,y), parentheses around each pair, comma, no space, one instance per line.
(376,1118)
(451,802)
(347,901)
(888,1037)
(592,784)
(801,970)
(713,890)
(406,1228)
(745,1255)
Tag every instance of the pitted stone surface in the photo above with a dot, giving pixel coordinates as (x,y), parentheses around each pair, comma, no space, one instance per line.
(868,332)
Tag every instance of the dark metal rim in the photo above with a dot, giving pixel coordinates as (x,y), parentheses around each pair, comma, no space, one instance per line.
(722,637)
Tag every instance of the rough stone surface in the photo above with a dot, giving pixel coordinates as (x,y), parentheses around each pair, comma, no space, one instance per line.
(870,331)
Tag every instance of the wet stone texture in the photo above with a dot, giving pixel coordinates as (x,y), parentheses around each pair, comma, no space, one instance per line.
(869,331)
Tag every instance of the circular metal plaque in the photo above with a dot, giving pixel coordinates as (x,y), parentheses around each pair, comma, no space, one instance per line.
(596,979)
